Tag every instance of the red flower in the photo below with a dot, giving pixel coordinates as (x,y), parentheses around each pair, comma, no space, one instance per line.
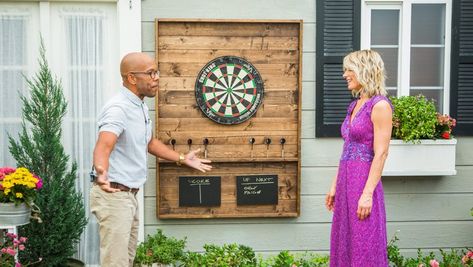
(446,135)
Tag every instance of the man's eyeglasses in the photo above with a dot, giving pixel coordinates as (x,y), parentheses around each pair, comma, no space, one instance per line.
(153,74)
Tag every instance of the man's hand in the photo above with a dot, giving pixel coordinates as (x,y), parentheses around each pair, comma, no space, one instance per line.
(191,160)
(102,180)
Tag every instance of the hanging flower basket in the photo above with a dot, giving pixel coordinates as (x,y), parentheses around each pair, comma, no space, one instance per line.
(14,215)
(18,187)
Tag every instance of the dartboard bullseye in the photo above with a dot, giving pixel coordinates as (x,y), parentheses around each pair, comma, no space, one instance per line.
(229,90)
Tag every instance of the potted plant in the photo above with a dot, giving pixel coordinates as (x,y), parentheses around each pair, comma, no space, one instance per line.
(39,147)
(422,142)
(159,251)
(18,189)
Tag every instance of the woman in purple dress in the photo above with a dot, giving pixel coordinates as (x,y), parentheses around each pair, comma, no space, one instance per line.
(358,237)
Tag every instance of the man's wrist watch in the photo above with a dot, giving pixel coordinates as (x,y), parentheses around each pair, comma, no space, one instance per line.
(93,175)
(181,159)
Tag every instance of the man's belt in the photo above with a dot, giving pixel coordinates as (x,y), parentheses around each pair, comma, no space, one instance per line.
(123,187)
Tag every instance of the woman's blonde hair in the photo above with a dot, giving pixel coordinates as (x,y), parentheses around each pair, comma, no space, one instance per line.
(368,67)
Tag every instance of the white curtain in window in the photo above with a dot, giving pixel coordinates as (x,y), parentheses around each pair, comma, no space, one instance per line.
(82,52)
(84,56)
(12,62)
(84,48)
(17,39)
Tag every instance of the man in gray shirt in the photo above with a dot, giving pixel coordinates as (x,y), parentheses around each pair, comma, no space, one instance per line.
(125,137)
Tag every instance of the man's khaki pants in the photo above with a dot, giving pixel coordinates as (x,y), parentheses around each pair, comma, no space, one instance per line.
(117,215)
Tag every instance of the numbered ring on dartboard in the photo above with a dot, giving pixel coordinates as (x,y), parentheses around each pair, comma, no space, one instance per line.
(229,90)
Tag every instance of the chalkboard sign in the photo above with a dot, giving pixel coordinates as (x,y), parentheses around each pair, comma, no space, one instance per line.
(198,191)
(257,190)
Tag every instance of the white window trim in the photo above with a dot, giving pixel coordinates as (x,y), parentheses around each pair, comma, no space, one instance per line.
(366,33)
(405,40)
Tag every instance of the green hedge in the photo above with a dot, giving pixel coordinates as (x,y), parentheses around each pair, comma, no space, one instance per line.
(162,249)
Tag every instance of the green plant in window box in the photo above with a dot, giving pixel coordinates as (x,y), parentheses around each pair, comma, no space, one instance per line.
(415,118)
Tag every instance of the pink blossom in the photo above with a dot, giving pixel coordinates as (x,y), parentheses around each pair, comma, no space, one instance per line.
(39,184)
(434,263)
(17,264)
(4,250)
(21,247)
(11,251)
(469,254)
(23,239)
(11,235)
(5,171)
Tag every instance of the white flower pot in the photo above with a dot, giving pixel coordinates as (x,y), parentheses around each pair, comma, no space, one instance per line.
(14,215)
(427,158)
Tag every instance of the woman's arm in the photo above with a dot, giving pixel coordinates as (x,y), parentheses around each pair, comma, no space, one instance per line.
(330,198)
(381,116)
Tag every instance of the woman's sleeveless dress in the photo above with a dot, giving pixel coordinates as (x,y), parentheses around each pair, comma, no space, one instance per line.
(358,243)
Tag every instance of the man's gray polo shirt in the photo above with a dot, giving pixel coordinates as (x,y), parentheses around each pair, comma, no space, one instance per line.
(126,115)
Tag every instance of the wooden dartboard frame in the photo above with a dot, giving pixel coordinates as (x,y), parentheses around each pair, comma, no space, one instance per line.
(274,47)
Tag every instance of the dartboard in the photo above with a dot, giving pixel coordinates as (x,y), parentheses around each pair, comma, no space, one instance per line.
(229,90)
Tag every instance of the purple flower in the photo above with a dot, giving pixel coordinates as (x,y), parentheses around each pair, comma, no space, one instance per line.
(39,184)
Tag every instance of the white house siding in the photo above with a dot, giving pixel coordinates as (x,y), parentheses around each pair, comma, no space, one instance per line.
(430,212)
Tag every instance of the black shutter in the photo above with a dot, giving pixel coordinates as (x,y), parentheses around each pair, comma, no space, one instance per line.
(461,86)
(338,33)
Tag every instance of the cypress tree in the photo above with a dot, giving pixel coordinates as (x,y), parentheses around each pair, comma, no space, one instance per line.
(39,149)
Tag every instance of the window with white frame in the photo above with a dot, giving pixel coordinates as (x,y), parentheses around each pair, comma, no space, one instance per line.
(80,41)
(413,37)
(17,38)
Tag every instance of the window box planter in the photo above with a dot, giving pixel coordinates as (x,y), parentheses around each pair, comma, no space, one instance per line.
(427,158)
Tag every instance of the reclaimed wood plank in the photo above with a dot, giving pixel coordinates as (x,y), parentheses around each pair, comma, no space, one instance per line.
(204,56)
(199,28)
(191,111)
(192,69)
(188,83)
